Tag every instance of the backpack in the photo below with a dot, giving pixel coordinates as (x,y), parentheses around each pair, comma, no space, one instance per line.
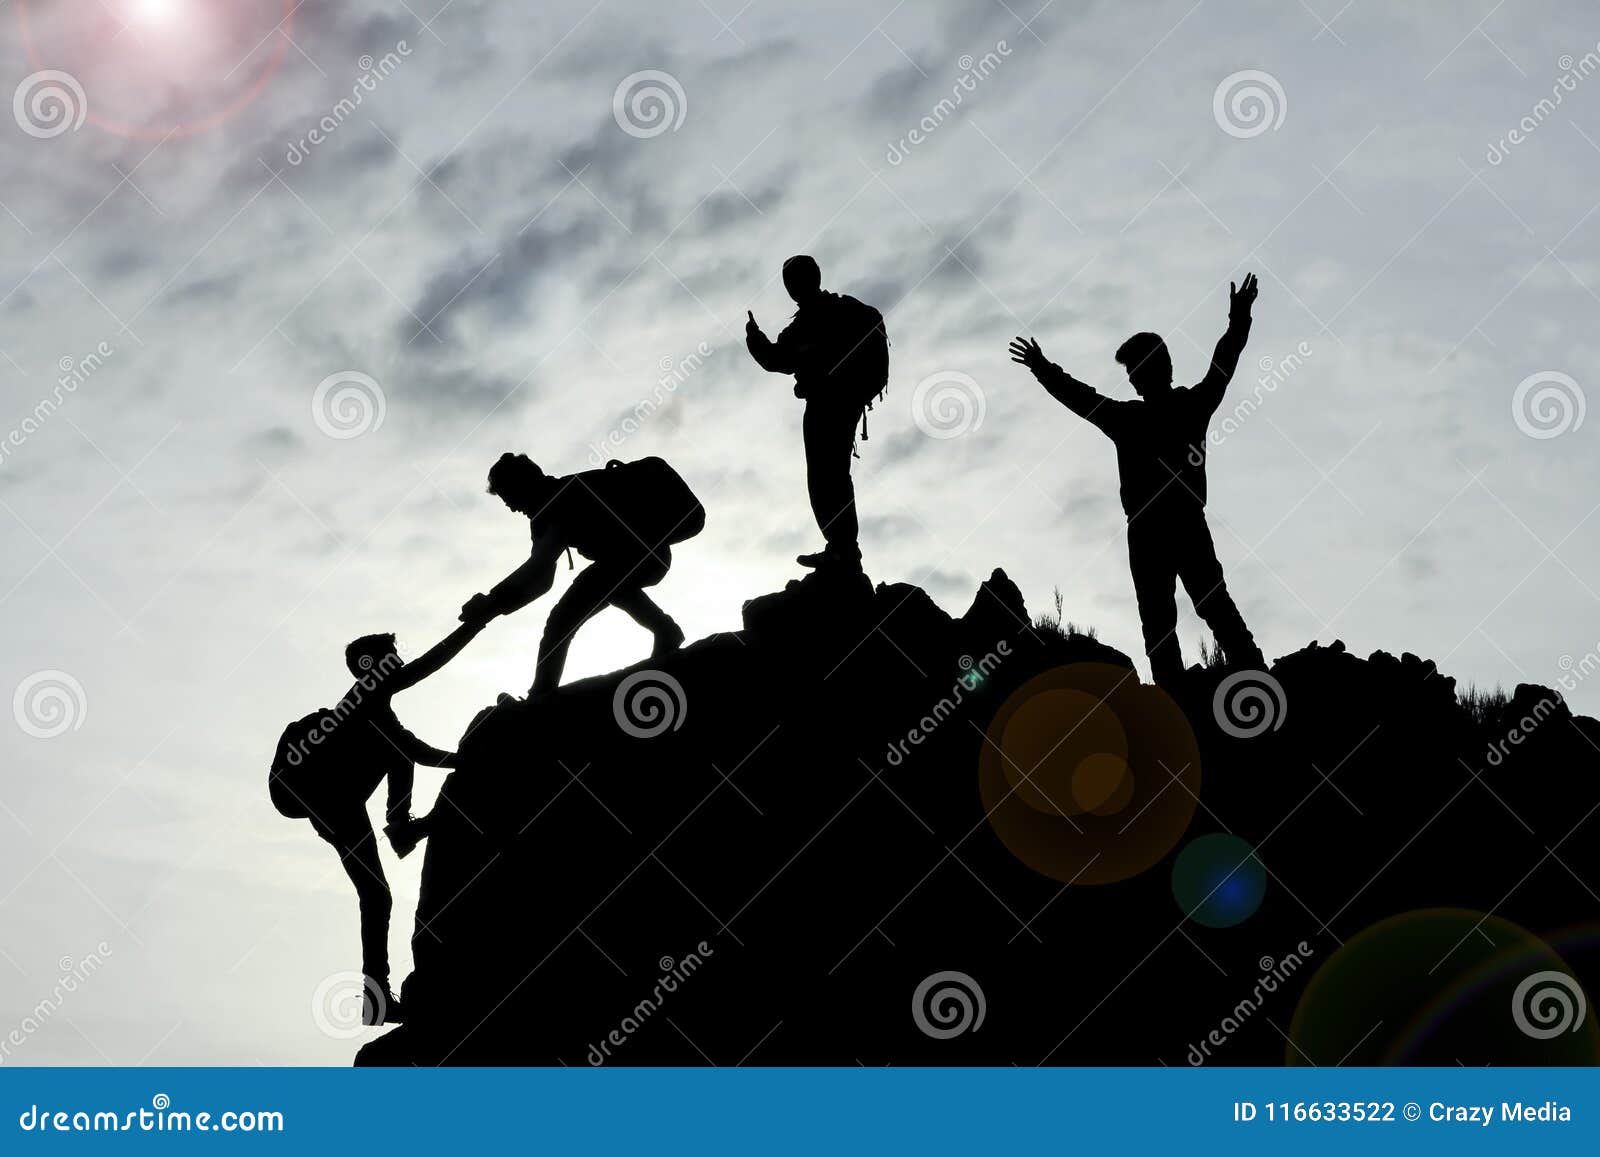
(299,765)
(866,366)
(629,505)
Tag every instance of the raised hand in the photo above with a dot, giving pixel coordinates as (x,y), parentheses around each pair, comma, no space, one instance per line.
(1242,297)
(1026,352)
(476,610)
(750,327)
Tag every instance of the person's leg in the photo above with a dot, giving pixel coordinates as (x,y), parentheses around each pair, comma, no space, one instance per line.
(1154,576)
(829,436)
(357,845)
(595,587)
(644,610)
(1202,577)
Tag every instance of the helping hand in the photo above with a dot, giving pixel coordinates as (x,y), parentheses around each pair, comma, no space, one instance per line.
(476,610)
(1027,353)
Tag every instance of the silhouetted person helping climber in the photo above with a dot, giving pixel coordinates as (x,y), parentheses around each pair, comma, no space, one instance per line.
(1161,458)
(838,351)
(624,519)
(328,764)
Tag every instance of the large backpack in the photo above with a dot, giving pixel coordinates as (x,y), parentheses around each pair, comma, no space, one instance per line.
(300,765)
(628,506)
(866,365)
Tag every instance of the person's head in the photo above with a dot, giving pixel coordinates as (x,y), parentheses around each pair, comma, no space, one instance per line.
(372,654)
(516,480)
(1148,363)
(802,277)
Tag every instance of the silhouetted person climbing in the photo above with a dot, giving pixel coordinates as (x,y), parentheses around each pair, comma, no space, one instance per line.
(624,518)
(329,763)
(1161,458)
(838,351)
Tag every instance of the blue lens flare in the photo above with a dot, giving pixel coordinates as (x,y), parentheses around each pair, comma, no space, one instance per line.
(1217,881)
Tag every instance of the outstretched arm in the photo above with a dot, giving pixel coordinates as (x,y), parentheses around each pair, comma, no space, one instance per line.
(519,588)
(784,356)
(436,657)
(1226,358)
(1082,399)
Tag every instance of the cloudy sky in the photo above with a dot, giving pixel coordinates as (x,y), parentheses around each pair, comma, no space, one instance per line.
(453,213)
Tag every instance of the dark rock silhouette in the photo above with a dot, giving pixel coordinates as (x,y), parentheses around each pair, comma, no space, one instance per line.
(771,847)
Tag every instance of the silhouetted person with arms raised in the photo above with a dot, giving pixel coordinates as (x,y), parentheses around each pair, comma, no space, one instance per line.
(838,351)
(328,765)
(1161,458)
(624,518)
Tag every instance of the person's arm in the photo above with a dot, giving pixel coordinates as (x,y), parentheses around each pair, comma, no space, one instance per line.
(787,355)
(1226,357)
(1082,399)
(436,657)
(519,588)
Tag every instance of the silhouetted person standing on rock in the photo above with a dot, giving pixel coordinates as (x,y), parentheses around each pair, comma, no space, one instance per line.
(1161,458)
(838,351)
(329,763)
(624,518)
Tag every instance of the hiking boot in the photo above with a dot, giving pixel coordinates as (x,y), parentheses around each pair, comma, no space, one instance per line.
(815,561)
(404,835)
(379,1005)
(668,639)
